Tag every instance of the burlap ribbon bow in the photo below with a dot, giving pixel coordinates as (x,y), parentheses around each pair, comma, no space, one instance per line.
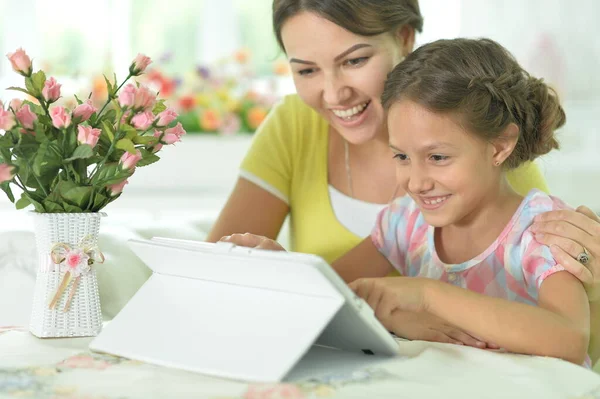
(75,262)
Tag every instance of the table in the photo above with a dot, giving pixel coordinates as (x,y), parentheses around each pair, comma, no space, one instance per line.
(65,368)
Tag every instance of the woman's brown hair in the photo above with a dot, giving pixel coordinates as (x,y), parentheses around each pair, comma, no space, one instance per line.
(361,17)
(487,88)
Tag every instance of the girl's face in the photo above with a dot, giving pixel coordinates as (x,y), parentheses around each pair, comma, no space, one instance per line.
(340,74)
(449,172)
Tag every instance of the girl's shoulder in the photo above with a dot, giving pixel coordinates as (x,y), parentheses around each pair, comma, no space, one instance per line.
(537,202)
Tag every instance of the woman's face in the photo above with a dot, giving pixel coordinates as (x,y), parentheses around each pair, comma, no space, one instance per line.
(341,75)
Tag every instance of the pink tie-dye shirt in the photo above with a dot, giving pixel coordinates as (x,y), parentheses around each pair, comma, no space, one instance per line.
(513,267)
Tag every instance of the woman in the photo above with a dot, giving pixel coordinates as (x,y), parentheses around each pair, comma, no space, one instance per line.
(319,154)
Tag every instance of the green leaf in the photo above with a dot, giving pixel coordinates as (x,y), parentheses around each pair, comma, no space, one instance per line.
(148,158)
(48,159)
(31,88)
(72,208)
(126,145)
(159,107)
(79,102)
(145,140)
(52,207)
(6,141)
(83,151)
(108,129)
(110,174)
(6,188)
(18,89)
(130,131)
(78,196)
(100,202)
(109,87)
(26,147)
(23,202)
(38,79)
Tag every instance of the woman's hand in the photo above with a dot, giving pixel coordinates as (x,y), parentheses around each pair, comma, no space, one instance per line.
(569,235)
(399,303)
(253,241)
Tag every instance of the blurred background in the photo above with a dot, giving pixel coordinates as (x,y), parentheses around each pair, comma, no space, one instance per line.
(217,63)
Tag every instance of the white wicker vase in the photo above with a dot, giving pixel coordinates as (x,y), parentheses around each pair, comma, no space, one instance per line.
(83,317)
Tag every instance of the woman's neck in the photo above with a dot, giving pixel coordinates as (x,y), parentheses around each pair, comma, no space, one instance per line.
(470,237)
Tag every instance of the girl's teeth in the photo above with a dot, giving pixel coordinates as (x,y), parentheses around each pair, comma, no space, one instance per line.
(436,201)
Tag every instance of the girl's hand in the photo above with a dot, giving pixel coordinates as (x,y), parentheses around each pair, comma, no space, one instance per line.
(427,327)
(253,241)
(569,234)
(388,294)
(400,304)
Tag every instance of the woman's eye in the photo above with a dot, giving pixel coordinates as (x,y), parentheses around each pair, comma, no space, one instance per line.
(356,61)
(400,157)
(305,72)
(439,158)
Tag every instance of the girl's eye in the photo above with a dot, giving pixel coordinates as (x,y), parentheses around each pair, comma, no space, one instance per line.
(401,157)
(356,61)
(306,72)
(439,158)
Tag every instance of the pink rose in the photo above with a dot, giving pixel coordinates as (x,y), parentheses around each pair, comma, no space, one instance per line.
(144,99)
(60,117)
(129,160)
(83,111)
(20,62)
(173,134)
(51,90)
(143,120)
(139,65)
(15,104)
(88,135)
(127,95)
(166,117)
(7,119)
(7,172)
(26,117)
(116,189)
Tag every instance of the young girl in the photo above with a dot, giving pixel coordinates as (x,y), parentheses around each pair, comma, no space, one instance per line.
(461,113)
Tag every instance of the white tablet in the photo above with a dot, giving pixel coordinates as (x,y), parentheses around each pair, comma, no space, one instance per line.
(236,312)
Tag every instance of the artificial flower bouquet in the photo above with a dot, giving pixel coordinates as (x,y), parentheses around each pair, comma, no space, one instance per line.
(78,160)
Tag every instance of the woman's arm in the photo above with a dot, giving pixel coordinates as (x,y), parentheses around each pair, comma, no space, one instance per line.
(557,327)
(251,209)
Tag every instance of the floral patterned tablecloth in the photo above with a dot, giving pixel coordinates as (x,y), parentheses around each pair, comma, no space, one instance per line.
(66,369)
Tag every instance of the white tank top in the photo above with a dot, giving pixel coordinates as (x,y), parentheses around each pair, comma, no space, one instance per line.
(355,215)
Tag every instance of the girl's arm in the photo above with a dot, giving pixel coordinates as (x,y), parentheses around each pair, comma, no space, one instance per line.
(557,327)
(364,260)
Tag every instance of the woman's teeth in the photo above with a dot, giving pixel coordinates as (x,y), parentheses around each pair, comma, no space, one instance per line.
(350,112)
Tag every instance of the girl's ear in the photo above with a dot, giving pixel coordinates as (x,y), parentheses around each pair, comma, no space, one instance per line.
(406,39)
(505,144)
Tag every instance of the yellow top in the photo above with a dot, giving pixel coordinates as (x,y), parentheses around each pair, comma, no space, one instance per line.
(288,158)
